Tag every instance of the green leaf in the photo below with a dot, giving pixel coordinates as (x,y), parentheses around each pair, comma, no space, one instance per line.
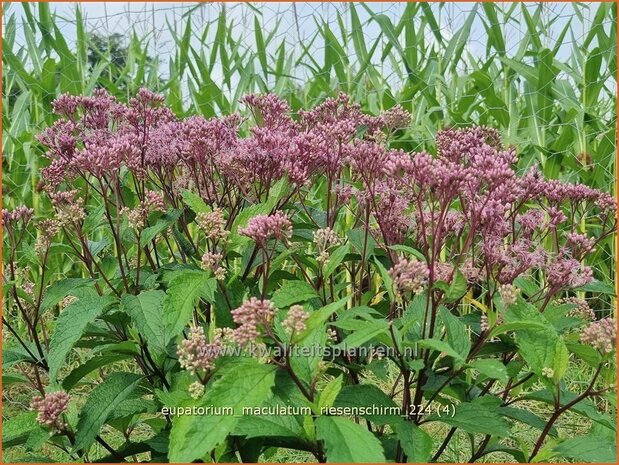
(60,289)
(148,234)
(416,443)
(589,448)
(591,356)
(96,362)
(540,347)
(101,402)
(183,291)
(515,326)
(16,430)
(261,426)
(457,335)
(491,368)
(407,249)
(441,346)
(293,292)
(369,330)
(386,277)
(288,428)
(69,328)
(366,396)
(599,287)
(146,312)
(457,288)
(195,202)
(357,238)
(15,355)
(320,316)
(346,441)
(336,258)
(561,359)
(527,417)
(330,392)
(468,416)
(245,383)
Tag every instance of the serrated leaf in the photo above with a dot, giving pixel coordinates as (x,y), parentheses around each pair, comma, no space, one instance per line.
(335,259)
(245,383)
(589,448)
(586,352)
(599,287)
(541,347)
(293,292)
(69,328)
(527,417)
(386,277)
(468,417)
(101,402)
(456,333)
(146,312)
(441,346)
(346,441)
(169,218)
(457,287)
(367,395)
(368,331)
(330,392)
(181,296)
(87,367)
(320,316)
(195,202)
(491,368)
(15,431)
(416,443)
(60,289)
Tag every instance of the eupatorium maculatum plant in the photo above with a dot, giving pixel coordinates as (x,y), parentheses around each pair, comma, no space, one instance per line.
(224,287)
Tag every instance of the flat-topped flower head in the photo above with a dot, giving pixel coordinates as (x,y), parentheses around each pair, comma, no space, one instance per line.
(601,335)
(269,110)
(580,310)
(295,320)
(263,227)
(252,317)
(509,294)
(213,224)
(212,261)
(565,272)
(196,353)
(409,276)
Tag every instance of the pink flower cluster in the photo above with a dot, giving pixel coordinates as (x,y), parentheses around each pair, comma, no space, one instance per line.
(295,320)
(409,276)
(98,135)
(213,224)
(50,407)
(21,213)
(195,353)
(580,308)
(601,335)
(251,316)
(262,227)
(468,199)
(499,213)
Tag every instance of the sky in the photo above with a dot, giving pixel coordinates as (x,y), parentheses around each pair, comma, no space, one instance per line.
(157,21)
(153,18)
